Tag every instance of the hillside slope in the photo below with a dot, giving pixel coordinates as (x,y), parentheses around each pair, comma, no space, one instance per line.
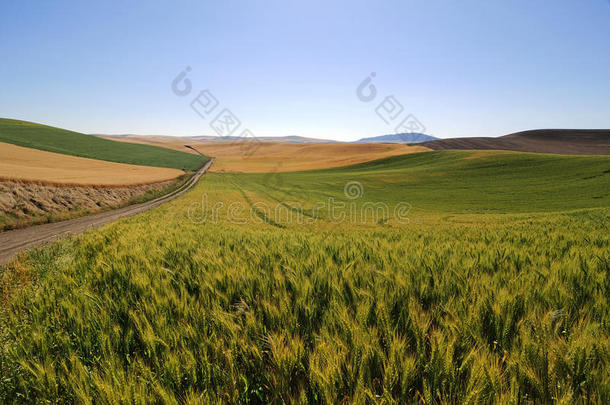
(558,141)
(51,139)
(466,182)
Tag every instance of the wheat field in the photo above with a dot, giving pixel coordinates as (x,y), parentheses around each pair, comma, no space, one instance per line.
(221,297)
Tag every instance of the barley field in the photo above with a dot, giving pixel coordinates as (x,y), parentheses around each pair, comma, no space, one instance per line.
(489,285)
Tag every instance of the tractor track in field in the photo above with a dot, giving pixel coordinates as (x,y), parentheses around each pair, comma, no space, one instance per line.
(14,241)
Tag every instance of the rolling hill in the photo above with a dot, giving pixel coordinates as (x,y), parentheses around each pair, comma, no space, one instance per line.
(51,139)
(468,181)
(558,141)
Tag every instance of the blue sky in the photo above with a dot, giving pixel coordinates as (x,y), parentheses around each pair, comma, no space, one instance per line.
(462,68)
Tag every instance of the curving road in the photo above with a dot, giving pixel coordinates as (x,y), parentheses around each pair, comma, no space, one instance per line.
(13,242)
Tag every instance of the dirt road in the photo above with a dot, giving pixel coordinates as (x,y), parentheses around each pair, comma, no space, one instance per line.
(13,242)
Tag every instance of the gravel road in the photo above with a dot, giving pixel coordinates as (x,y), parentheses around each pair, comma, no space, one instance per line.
(15,241)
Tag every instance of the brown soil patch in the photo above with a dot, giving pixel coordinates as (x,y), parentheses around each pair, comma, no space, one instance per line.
(19,163)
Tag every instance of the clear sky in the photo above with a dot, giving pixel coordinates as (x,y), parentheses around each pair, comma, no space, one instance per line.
(463,68)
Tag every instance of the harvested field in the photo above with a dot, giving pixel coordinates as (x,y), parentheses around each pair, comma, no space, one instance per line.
(261,157)
(33,165)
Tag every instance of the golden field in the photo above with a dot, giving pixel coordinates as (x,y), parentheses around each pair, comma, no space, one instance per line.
(284,157)
(261,157)
(26,164)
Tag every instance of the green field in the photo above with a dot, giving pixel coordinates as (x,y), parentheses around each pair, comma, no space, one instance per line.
(491,288)
(59,140)
(459,182)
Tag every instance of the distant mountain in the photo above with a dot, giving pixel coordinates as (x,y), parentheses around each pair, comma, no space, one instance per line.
(211,138)
(412,137)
